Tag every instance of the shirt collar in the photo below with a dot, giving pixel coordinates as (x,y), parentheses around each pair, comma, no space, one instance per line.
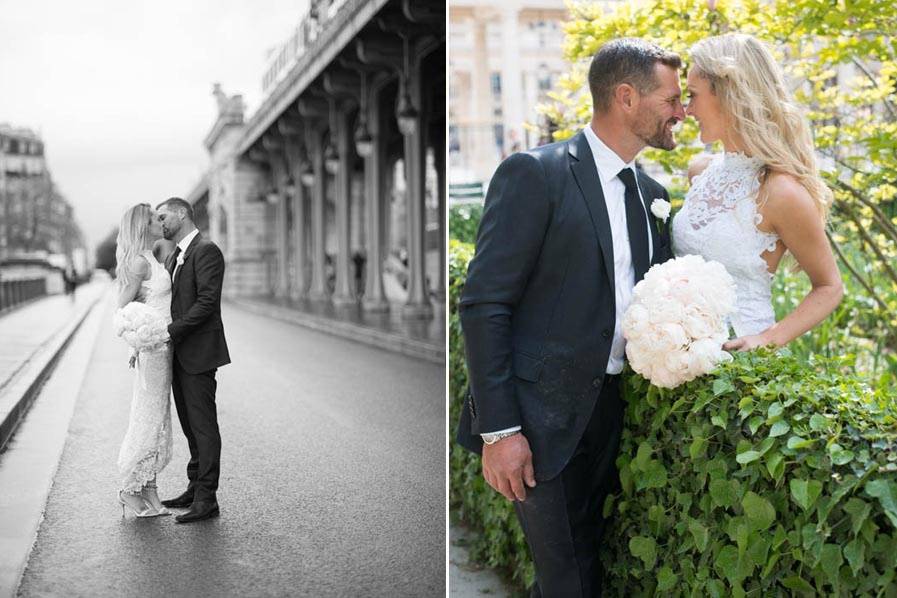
(607,161)
(185,242)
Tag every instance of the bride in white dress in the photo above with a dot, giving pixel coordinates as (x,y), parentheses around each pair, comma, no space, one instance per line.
(146,448)
(760,198)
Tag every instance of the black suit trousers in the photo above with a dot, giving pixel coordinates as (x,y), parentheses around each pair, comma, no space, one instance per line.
(194,399)
(562,517)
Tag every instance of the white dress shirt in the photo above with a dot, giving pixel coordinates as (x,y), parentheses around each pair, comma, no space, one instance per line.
(609,164)
(183,245)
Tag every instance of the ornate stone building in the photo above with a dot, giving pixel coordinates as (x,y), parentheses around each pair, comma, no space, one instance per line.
(328,200)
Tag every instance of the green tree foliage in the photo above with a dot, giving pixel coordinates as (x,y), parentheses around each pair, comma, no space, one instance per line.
(841,60)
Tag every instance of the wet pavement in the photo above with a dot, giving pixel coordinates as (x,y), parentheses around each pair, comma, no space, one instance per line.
(333,478)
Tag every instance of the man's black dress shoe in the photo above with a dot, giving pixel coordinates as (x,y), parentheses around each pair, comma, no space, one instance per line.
(180,502)
(199,510)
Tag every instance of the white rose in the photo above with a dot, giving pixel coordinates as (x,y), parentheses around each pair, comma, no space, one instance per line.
(661,208)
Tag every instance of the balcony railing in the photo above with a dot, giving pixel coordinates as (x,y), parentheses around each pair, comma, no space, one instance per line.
(308,29)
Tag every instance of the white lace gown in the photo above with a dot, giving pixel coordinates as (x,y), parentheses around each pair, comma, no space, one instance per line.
(718,221)
(146,449)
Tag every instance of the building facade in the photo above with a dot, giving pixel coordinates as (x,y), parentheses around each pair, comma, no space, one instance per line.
(332,191)
(36,221)
(506,56)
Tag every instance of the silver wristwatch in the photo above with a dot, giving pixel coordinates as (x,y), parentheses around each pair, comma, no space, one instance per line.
(493,438)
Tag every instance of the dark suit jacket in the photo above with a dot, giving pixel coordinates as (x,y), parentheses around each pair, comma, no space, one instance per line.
(538,307)
(197,333)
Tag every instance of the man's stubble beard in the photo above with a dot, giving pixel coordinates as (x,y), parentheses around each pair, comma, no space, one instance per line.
(653,132)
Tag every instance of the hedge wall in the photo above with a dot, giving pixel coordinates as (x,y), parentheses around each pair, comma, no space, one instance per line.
(772,477)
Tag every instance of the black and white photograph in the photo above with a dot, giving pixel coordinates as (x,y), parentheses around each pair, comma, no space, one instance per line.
(223,298)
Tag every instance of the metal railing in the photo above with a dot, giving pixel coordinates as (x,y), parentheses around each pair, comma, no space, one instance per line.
(18,291)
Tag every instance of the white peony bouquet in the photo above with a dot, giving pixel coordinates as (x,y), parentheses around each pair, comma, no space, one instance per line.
(676,324)
(142,327)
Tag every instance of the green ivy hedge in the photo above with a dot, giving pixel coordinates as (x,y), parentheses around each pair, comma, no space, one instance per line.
(775,476)
(464,220)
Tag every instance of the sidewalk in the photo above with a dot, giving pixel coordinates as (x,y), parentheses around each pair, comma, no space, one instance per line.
(468,579)
(31,338)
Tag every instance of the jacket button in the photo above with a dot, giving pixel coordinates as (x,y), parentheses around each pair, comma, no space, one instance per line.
(596,382)
(605,333)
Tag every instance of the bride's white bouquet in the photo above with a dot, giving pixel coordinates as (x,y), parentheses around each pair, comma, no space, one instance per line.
(676,324)
(142,327)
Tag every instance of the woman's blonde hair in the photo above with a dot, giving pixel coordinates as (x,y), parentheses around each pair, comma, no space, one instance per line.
(750,87)
(133,239)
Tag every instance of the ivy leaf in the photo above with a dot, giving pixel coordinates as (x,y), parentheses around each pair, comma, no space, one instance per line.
(699,533)
(666,579)
(722,386)
(886,493)
(797,442)
(775,465)
(696,448)
(780,428)
(775,410)
(805,492)
(797,583)
(642,456)
(644,549)
(759,511)
(654,476)
(755,422)
(726,563)
(721,493)
(855,552)
(818,422)
(859,511)
(747,457)
(831,561)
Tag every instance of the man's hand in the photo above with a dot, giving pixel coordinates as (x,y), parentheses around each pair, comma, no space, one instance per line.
(508,465)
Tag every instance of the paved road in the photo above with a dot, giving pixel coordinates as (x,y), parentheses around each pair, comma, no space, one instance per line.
(333,479)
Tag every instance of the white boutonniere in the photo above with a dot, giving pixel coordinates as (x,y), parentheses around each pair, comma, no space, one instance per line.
(180,260)
(661,209)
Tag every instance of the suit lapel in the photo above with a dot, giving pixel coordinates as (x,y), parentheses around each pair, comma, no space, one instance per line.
(186,254)
(647,199)
(582,163)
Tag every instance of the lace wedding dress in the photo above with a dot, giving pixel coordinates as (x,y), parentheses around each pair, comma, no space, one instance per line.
(146,449)
(718,221)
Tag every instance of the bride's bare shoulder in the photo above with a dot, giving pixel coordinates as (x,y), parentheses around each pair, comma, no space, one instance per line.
(697,165)
(139,265)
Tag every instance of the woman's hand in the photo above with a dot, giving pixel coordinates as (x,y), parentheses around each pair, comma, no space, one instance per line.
(746,343)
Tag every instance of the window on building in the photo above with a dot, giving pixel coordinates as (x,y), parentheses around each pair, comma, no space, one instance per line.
(544,77)
(495,84)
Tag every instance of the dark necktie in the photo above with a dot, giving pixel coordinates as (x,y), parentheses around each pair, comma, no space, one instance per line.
(174,261)
(636,223)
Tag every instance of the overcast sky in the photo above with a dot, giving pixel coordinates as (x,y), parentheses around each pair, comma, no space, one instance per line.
(121,91)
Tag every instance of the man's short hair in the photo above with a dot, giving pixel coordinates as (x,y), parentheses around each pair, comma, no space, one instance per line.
(628,60)
(177,202)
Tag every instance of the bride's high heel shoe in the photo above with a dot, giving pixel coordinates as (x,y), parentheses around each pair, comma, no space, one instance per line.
(151,497)
(149,511)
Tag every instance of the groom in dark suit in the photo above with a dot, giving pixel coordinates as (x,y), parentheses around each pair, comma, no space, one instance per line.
(197,335)
(566,233)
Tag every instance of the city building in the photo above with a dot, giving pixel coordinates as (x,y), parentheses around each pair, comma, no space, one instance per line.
(37,224)
(506,56)
(328,201)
